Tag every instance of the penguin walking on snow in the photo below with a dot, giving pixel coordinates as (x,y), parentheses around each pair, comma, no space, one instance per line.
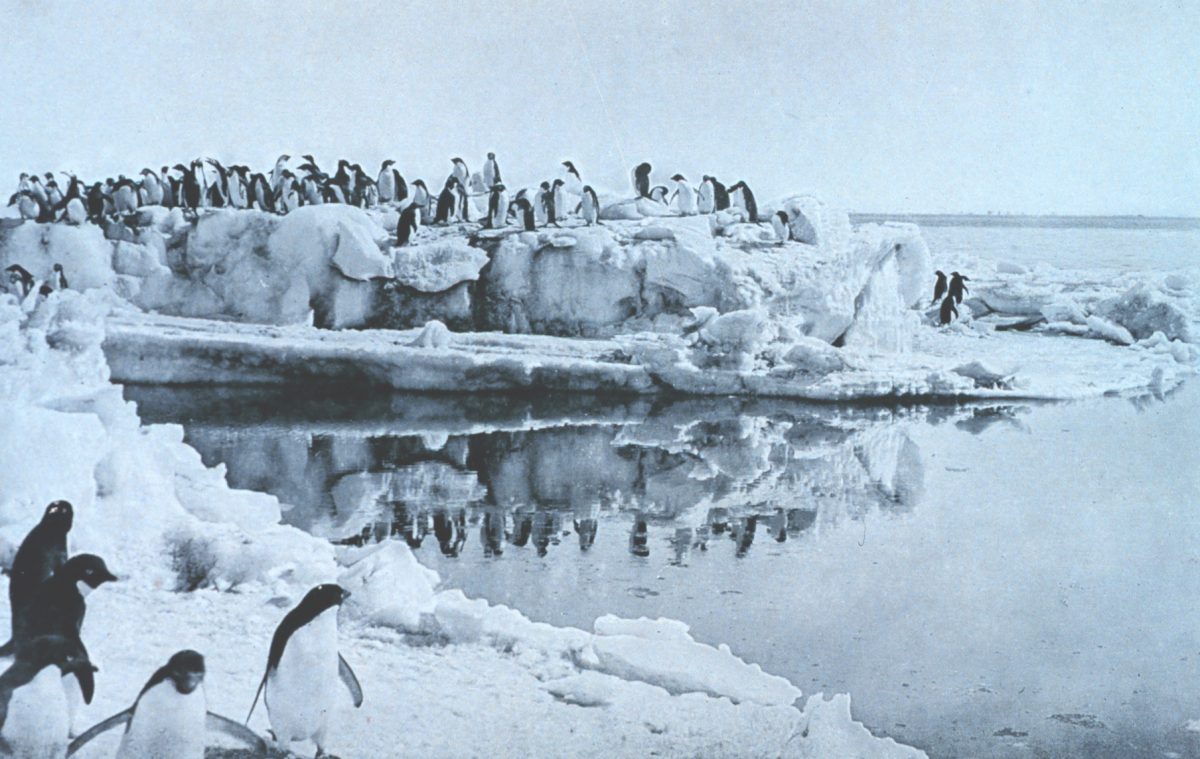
(303,670)
(491,171)
(589,206)
(42,552)
(60,282)
(35,718)
(947,309)
(686,203)
(939,287)
(957,288)
(170,716)
(497,217)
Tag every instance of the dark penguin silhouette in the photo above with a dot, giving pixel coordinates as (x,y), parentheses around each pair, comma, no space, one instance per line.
(547,198)
(586,529)
(720,195)
(26,731)
(57,606)
(524,213)
(641,180)
(748,199)
(957,288)
(946,310)
(447,199)
(42,552)
(407,224)
(939,287)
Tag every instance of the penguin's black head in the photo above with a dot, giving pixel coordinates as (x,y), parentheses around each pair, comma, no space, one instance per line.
(679,178)
(45,290)
(545,185)
(55,651)
(180,167)
(568,164)
(386,163)
(559,183)
(457,160)
(322,597)
(491,156)
(954,274)
(782,215)
(940,273)
(59,514)
(451,182)
(86,568)
(58,267)
(186,670)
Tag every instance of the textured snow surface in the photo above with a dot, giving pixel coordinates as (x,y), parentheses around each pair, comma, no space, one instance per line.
(443,675)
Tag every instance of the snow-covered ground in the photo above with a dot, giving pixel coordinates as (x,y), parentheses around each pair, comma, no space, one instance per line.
(444,675)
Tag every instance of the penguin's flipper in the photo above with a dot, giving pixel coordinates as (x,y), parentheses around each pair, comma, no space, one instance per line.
(216,723)
(7,649)
(351,682)
(262,684)
(120,718)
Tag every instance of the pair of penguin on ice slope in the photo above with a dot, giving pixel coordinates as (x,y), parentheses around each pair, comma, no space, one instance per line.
(169,717)
(953,294)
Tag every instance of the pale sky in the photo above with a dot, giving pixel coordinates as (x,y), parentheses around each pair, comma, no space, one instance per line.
(1050,107)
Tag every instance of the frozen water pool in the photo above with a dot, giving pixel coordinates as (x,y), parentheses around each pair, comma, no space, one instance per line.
(1004,581)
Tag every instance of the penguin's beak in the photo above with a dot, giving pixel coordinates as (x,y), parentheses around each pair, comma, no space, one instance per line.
(192,680)
(109,577)
(345,594)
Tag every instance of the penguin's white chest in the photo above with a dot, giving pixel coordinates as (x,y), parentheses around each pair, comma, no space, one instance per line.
(166,724)
(300,692)
(37,723)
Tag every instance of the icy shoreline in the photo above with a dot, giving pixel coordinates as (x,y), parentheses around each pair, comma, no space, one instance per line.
(466,678)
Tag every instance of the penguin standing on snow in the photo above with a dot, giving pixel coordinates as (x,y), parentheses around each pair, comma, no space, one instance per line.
(574,182)
(946,310)
(407,226)
(303,669)
(391,185)
(35,718)
(42,552)
(421,199)
(170,716)
(27,204)
(491,171)
(20,277)
(460,171)
(60,281)
(277,172)
(746,201)
(782,227)
(589,206)
(524,214)
(447,200)
(939,287)
(720,195)
(706,201)
(641,180)
(685,194)
(957,288)
(547,198)
(497,207)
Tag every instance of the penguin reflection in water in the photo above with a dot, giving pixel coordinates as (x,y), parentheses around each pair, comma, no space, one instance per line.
(300,684)
(170,717)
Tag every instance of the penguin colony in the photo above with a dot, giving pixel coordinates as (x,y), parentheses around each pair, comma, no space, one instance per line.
(207,183)
(51,670)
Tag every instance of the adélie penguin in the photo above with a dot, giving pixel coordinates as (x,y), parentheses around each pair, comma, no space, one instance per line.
(939,287)
(170,717)
(300,684)
(34,713)
(406,227)
(957,288)
(782,227)
(42,552)
(589,206)
(944,314)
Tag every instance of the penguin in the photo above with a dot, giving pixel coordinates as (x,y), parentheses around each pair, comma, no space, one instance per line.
(170,717)
(35,186)
(658,193)
(957,288)
(235,186)
(288,197)
(547,200)
(312,190)
(18,275)
(463,208)
(191,193)
(61,283)
(54,195)
(686,203)
(96,204)
(57,606)
(407,226)
(705,202)
(152,189)
(125,199)
(170,187)
(560,203)
(497,207)
(641,180)
(524,214)
(27,204)
(782,226)
(35,719)
(491,171)
(277,172)
(460,171)
(946,310)
(42,552)
(720,195)
(303,665)
(447,200)
(589,206)
(573,183)
(746,201)
(72,205)
(939,287)
(260,195)
(423,199)
(391,184)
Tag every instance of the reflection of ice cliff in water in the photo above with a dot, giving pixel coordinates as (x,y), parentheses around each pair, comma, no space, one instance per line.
(740,471)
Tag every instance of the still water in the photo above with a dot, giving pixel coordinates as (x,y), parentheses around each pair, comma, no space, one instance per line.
(1011,581)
